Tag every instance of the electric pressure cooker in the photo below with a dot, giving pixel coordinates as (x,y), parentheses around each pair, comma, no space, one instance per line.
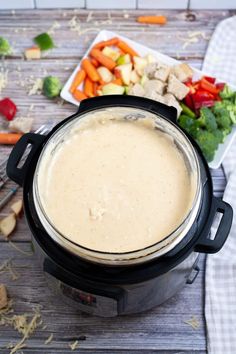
(111,284)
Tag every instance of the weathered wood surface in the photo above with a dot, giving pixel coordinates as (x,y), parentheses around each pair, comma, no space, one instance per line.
(161,330)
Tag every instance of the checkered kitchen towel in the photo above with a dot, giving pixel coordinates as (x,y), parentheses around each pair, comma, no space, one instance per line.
(220,303)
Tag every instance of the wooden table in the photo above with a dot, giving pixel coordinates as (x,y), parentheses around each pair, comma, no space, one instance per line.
(163,329)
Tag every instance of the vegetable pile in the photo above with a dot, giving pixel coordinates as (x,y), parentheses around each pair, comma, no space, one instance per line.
(208,114)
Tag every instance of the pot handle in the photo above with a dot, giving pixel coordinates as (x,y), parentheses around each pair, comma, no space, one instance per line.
(15,173)
(126,101)
(205,244)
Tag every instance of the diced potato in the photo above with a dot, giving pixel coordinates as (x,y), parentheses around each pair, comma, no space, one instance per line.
(33,53)
(8,224)
(105,74)
(17,207)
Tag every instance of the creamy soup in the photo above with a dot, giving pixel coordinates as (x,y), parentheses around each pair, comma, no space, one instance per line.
(115,185)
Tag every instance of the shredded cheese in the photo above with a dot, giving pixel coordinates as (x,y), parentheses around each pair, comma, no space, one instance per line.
(36,88)
(29,254)
(54,26)
(49,339)
(74,345)
(193,322)
(89,17)
(3,79)
(7,266)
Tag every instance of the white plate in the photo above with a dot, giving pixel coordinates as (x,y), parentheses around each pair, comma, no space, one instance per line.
(143,50)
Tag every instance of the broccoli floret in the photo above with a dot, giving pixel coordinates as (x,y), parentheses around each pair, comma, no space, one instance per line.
(207,119)
(189,124)
(227,93)
(51,86)
(208,143)
(225,112)
(5,47)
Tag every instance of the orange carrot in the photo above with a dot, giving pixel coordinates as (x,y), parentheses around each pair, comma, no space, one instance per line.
(90,70)
(9,138)
(109,42)
(88,87)
(159,20)
(94,62)
(117,81)
(79,95)
(127,49)
(79,77)
(95,86)
(103,59)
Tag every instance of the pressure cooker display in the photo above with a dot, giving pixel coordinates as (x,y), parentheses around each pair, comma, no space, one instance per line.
(112,183)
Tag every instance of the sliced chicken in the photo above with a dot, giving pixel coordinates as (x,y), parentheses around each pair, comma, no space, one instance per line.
(183,72)
(156,97)
(150,70)
(156,86)
(176,87)
(170,100)
(162,72)
(137,90)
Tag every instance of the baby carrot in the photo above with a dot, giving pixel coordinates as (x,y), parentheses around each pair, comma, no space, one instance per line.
(95,86)
(126,48)
(103,59)
(79,77)
(79,95)
(9,138)
(117,81)
(88,87)
(94,62)
(109,42)
(90,70)
(159,20)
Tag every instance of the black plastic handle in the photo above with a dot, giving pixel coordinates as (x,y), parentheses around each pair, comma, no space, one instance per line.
(17,174)
(205,244)
(126,101)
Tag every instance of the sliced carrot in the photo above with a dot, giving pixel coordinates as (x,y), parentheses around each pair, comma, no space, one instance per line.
(79,77)
(88,87)
(90,70)
(159,20)
(109,42)
(9,138)
(127,49)
(79,95)
(103,59)
(94,62)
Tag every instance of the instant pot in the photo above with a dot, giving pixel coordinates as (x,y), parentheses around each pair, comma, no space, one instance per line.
(111,284)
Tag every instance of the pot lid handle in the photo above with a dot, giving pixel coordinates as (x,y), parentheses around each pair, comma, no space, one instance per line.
(129,101)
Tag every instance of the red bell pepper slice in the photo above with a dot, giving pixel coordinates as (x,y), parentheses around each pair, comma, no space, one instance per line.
(220,86)
(210,79)
(206,85)
(188,101)
(8,108)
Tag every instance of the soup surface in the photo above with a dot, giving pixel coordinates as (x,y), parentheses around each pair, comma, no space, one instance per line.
(114,185)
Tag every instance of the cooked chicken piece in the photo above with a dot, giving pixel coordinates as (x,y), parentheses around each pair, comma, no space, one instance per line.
(154,86)
(170,100)
(176,87)
(150,70)
(183,72)
(162,72)
(137,90)
(21,125)
(156,97)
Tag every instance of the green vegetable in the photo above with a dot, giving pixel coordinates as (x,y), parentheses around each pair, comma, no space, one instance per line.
(189,124)
(208,142)
(187,110)
(51,86)
(44,41)
(5,47)
(225,108)
(227,93)
(207,119)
